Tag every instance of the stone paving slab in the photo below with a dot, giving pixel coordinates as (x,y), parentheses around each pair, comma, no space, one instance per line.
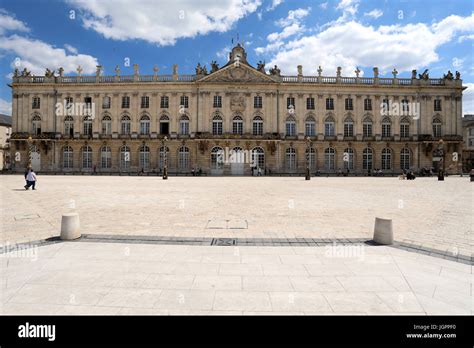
(117,279)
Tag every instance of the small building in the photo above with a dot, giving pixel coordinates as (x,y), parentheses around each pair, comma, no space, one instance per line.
(5,133)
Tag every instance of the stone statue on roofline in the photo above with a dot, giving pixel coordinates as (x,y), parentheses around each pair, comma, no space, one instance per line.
(425,75)
(214,66)
(448,76)
(458,75)
(261,67)
(49,73)
(25,73)
(275,71)
(16,72)
(198,69)
(413,74)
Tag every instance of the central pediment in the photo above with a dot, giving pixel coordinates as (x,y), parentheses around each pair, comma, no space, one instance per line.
(237,73)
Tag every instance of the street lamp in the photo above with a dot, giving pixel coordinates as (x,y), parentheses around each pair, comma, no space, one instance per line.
(29,141)
(441,153)
(165,159)
(308,153)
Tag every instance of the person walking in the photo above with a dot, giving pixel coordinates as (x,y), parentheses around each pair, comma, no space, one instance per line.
(31,179)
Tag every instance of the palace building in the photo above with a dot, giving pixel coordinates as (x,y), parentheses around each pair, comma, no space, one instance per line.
(141,123)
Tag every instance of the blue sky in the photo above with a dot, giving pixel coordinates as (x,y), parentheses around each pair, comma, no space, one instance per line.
(405,35)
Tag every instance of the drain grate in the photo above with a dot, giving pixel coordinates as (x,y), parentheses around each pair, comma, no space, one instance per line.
(224,241)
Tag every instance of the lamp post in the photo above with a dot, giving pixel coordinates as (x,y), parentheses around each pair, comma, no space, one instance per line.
(30,152)
(441,152)
(165,159)
(308,154)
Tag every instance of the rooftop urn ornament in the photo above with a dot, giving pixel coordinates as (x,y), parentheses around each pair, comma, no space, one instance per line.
(320,71)
(117,70)
(394,73)
(155,70)
(61,71)
(79,70)
(357,71)
(376,72)
(413,74)
(338,71)
(135,69)
(175,69)
(300,70)
(99,70)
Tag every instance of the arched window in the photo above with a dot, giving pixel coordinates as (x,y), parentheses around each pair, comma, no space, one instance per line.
(348,158)
(217,125)
(348,127)
(310,127)
(237,125)
(217,158)
(311,157)
(405,159)
(184,125)
(183,158)
(290,126)
(69,126)
(329,159)
(68,160)
(36,124)
(329,127)
(164,124)
(144,157)
(106,125)
(257,125)
(105,157)
(404,128)
(386,128)
(125,125)
(87,122)
(367,158)
(437,128)
(386,159)
(86,157)
(258,157)
(124,157)
(145,125)
(290,158)
(161,159)
(367,127)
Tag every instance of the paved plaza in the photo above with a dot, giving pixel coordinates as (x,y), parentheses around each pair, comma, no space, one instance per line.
(119,278)
(141,275)
(426,213)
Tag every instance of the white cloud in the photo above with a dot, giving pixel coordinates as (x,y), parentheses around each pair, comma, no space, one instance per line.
(223,53)
(352,44)
(294,16)
(71,49)
(465,37)
(9,23)
(468,99)
(36,55)
(375,13)
(324,5)
(5,107)
(274,4)
(162,22)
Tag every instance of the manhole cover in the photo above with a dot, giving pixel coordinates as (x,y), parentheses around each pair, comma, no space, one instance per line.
(26,216)
(224,241)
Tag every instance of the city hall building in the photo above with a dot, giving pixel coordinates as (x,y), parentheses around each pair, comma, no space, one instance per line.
(283,124)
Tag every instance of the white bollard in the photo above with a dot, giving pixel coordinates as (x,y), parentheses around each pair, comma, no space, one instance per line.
(383,231)
(70,227)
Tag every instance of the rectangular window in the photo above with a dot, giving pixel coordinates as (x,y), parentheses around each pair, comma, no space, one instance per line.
(257,128)
(329,104)
(405,106)
(348,129)
(106,103)
(367,104)
(125,102)
(310,129)
(290,101)
(36,103)
(437,130)
(348,104)
(404,130)
(437,105)
(367,130)
(145,102)
(217,101)
(257,102)
(88,107)
(165,102)
(386,130)
(329,129)
(184,101)
(310,103)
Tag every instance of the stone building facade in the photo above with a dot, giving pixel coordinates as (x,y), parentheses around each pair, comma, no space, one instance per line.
(280,124)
